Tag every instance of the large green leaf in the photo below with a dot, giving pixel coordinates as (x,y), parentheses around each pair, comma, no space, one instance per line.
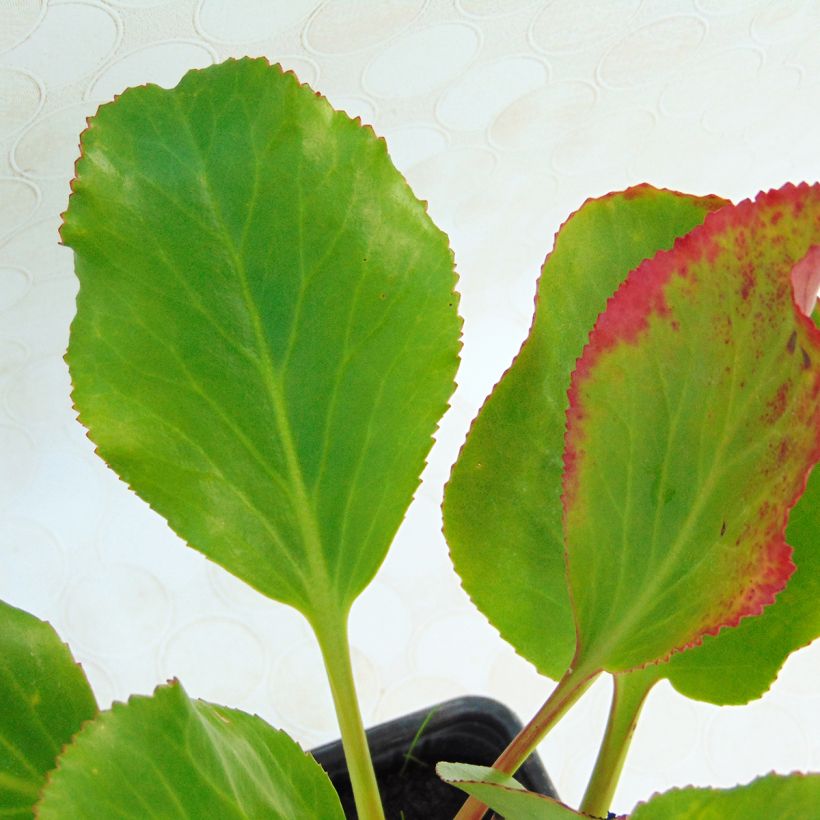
(775,797)
(44,699)
(168,756)
(266,330)
(693,421)
(502,507)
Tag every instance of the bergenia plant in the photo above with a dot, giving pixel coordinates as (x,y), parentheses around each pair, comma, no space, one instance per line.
(266,337)
(688,420)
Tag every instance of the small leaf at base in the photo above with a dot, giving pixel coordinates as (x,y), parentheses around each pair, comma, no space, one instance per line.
(503,794)
(172,757)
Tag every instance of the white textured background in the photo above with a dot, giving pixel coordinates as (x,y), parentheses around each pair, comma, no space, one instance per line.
(505,115)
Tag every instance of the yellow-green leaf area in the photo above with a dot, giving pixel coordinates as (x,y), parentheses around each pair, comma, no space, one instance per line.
(266,330)
(168,756)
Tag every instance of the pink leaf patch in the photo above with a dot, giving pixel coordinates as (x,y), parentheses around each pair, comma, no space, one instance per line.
(806,281)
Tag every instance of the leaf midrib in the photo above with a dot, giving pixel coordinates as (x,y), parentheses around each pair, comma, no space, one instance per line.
(265,366)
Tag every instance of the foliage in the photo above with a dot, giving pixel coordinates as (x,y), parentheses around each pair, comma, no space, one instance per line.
(266,337)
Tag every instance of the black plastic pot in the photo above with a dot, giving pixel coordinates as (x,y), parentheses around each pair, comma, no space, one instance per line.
(405,752)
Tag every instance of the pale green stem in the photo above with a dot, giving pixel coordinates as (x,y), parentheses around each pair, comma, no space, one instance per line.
(628,697)
(570,688)
(335,646)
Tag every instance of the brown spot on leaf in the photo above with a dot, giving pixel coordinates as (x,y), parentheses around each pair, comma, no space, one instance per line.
(777,406)
(792,343)
(806,358)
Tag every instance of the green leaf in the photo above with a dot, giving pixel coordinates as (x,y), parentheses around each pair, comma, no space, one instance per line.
(503,794)
(44,699)
(266,330)
(172,757)
(779,797)
(693,422)
(502,506)
(739,665)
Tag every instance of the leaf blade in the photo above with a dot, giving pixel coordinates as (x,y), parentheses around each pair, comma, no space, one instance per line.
(170,756)
(724,339)
(285,341)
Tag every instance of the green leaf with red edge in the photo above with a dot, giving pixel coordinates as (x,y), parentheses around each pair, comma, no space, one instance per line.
(173,757)
(693,421)
(779,797)
(44,700)
(502,505)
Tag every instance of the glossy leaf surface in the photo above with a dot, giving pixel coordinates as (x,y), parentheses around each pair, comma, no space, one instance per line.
(266,332)
(172,757)
(792,797)
(693,421)
(44,699)
(502,507)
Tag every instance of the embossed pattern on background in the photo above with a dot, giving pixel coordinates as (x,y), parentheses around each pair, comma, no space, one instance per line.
(504,115)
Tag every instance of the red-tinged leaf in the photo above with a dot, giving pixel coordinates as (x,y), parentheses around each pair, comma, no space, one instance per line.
(693,422)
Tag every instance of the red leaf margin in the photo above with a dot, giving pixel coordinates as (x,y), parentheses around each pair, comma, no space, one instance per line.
(626,318)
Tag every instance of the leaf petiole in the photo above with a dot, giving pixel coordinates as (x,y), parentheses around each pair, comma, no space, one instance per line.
(628,696)
(573,684)
(335,645)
